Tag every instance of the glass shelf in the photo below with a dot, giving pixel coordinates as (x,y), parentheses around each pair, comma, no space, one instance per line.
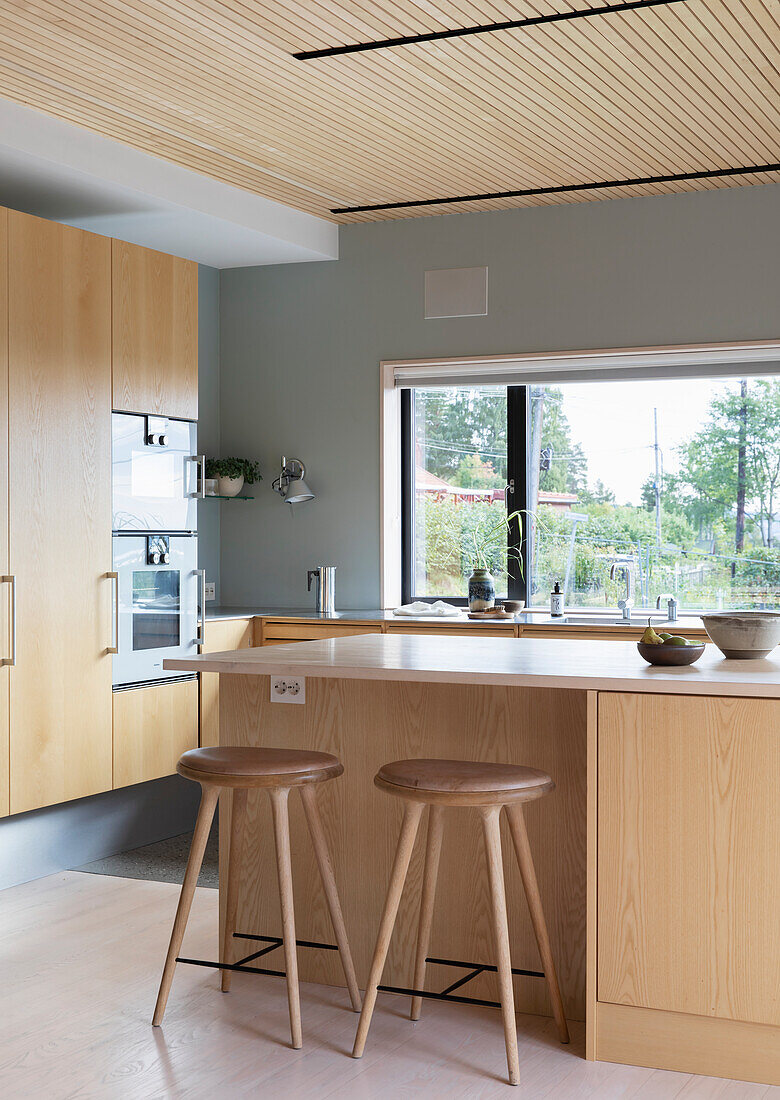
(218,496)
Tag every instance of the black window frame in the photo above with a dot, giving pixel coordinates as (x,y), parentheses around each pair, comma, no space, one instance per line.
(516,497)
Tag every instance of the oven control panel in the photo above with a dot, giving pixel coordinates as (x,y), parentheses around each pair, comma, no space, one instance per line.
(158,549)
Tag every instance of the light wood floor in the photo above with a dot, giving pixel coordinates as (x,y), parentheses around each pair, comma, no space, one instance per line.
(80,958)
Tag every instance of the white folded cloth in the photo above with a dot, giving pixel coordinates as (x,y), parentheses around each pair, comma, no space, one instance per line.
(418,609)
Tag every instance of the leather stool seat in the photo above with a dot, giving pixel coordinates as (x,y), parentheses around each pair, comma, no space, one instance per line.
(258,767)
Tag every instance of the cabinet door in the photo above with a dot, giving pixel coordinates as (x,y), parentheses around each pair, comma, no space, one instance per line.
(221,635)
(60,510)
(688,855)
(153,726)
(155,332)
(4,619)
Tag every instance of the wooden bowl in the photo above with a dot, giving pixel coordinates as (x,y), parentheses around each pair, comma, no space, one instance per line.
(670,654)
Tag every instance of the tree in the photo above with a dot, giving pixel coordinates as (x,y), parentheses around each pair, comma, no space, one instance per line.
(475,473)
(647,493)
(455,422)
(568,467)
(730,469)
(599,494)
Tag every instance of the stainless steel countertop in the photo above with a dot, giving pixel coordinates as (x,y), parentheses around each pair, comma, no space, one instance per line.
(575,618)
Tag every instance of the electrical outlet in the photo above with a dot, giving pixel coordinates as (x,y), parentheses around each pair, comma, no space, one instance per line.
(288,691)
(211,590)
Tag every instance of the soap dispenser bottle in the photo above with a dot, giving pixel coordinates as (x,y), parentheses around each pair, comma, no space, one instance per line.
(556,602)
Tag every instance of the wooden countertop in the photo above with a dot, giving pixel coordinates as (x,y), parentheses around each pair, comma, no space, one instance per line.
(507,662)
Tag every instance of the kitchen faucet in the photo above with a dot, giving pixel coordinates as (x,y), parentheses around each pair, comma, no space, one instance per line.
(627,567)
(671,606)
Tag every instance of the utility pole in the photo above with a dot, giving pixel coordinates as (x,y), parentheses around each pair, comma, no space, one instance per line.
(657,450)
(739,541)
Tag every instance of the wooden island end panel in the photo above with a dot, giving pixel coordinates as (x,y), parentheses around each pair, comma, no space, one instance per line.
(368,723)
(689,884)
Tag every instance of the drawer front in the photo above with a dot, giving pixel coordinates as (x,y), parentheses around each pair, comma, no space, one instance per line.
(309,632)
(476,631)
(153,726)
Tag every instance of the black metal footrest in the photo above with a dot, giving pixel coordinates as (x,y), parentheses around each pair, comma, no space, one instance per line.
(273,942)
(448,993)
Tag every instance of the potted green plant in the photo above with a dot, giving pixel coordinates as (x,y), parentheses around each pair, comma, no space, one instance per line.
(487,543)
(232,474)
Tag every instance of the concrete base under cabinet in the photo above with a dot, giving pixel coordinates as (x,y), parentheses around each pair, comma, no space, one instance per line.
(57,838)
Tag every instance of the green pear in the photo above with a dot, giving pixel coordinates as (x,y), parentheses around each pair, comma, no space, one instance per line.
(650,637)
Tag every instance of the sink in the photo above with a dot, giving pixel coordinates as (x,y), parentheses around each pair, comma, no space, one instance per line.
(597,620)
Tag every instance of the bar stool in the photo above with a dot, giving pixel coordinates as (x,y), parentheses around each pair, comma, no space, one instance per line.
(490,788)
(276,770)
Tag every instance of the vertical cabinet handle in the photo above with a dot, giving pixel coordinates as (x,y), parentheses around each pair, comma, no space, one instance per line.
(10,578)
(115,578)
(200,476)
(201,637)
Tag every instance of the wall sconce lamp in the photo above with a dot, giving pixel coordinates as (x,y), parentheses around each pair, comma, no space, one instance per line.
(290,484)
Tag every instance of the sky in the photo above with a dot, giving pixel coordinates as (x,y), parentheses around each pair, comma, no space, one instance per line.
(614,423)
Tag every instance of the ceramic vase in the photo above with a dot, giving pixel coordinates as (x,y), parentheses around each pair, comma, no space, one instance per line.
(231,486)
(482,590)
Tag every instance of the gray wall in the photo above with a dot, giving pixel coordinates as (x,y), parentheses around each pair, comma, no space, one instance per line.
(58,837)
(301,345)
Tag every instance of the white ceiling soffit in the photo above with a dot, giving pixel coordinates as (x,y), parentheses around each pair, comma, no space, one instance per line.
(68,174)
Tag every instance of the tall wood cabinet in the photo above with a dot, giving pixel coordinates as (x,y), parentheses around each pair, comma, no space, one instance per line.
(73,306)
(155,336)
(59,425)
(5,650)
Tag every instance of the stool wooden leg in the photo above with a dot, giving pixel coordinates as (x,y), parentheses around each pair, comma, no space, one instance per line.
(208,803)
(237,819)
(320,845)
(403,854)
(490,821)
(430,874)
(531,886)
(279,797)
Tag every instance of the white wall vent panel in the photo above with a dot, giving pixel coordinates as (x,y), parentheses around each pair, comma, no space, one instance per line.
(456,292)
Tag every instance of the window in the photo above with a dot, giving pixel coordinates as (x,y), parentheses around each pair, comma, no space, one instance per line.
(629,488)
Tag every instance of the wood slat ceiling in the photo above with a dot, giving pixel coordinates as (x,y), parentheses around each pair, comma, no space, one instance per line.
(211,85)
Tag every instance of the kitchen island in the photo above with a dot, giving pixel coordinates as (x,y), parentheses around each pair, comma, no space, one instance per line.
(657,855)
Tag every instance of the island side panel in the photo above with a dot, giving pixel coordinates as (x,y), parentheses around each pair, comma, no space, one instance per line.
(688,884)
(366,724)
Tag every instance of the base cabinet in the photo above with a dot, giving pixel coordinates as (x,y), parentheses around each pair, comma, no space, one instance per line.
(221,635)
(689,851)
(153,726)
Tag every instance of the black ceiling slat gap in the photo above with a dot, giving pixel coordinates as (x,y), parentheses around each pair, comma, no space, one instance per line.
(677,177)
(485,28)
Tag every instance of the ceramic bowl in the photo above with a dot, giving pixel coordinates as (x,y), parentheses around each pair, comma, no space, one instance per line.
(513,606)
(743,635)
(670,654)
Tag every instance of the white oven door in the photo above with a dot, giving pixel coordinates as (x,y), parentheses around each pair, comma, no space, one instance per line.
(157,606)
(156,474)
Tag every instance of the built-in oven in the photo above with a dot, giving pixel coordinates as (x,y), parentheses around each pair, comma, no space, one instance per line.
(159,605)
(157,474)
